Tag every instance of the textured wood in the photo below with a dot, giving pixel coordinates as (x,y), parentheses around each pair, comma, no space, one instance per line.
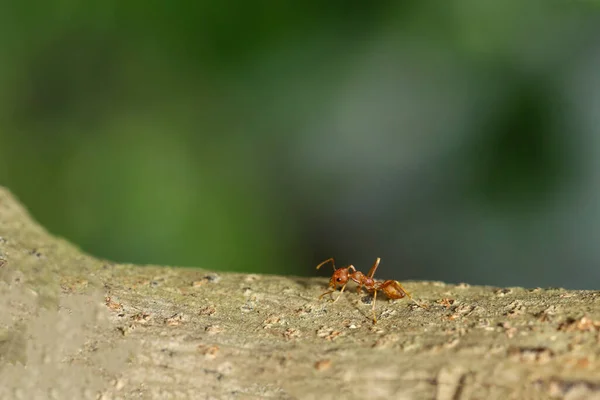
(72,326)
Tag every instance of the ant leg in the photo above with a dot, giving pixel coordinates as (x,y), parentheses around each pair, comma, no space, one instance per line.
(396,283)
(374,268)
(326,293)
(341,291)
(332,288)
(374,298)
(359,289)
(333,291)
(326,261)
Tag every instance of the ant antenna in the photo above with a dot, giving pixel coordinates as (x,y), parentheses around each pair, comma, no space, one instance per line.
(326,261)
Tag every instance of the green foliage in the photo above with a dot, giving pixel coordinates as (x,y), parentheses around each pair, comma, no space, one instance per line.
(142,130)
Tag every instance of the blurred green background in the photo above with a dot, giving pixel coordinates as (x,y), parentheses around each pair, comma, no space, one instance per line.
(459,141)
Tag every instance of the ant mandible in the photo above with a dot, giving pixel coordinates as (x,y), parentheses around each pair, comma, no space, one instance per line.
(341,277)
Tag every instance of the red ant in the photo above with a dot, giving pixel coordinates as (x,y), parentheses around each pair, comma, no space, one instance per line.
(341,277)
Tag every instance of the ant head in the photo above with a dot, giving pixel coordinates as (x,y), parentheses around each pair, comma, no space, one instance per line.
(340,276)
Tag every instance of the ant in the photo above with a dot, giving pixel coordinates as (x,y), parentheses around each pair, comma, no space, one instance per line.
(341,277)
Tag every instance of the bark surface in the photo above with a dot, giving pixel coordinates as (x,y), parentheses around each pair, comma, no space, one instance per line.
(72,326)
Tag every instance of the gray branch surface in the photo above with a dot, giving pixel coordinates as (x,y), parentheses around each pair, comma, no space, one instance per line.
(72,326)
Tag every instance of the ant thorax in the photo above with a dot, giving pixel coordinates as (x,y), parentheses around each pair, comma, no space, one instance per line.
(362,279)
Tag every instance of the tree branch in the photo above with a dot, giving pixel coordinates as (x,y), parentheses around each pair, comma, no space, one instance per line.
(93,329)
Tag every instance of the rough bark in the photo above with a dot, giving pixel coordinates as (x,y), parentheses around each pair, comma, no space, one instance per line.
(72,326)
